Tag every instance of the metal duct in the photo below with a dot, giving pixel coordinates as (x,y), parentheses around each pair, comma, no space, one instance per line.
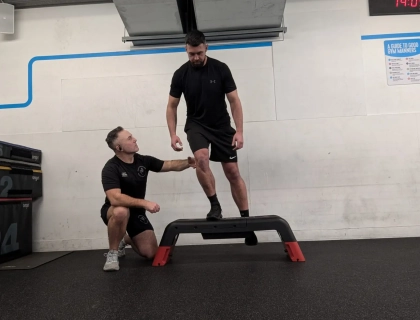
(228,15)
(165,22)
(150,17)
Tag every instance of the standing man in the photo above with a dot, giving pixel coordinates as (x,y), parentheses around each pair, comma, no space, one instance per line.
(205,82)
(124,180)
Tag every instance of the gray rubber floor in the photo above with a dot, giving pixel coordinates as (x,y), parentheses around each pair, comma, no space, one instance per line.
(366,279)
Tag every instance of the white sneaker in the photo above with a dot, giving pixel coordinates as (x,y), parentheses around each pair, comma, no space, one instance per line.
(111,263)
(121,249)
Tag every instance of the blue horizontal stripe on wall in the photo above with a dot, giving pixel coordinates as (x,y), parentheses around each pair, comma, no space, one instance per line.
(117,54)
(390,36)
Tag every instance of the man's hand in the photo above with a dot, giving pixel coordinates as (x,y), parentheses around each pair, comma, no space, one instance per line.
(174,141)
(238,141)
(152,207)
(191,163)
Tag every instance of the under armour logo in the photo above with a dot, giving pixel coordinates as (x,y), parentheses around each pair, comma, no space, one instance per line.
(212,81)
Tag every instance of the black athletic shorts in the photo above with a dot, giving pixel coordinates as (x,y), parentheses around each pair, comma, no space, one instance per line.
(200,137)
(137,223)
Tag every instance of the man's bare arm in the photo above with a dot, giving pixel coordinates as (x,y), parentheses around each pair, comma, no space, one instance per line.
(171,119)
(236,107)
(171,114)
(178,165)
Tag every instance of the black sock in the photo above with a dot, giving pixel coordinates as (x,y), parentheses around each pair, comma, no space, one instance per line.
(213,200)
(244,213)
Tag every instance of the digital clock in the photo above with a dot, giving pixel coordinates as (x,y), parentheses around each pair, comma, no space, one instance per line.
(387,7)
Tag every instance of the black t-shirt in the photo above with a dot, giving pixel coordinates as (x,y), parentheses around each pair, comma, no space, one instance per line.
(204,91)
(131,178)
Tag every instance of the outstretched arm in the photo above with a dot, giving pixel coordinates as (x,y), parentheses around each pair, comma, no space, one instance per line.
(236,107)
(178,165)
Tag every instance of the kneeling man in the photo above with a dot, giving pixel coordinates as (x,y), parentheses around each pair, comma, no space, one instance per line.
(124,179)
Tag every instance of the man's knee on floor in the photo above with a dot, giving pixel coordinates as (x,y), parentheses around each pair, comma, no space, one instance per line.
(149,251)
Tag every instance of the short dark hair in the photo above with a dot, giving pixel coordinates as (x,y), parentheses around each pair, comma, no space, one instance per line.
(195,38)
(112,136)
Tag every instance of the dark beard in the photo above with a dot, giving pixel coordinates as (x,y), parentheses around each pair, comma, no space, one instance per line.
(197,66)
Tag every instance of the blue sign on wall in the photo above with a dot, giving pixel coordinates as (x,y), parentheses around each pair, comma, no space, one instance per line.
(402,61)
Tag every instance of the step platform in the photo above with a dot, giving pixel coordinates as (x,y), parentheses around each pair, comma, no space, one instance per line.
(226,229)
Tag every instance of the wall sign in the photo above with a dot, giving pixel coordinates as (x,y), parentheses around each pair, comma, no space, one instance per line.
(402,61)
